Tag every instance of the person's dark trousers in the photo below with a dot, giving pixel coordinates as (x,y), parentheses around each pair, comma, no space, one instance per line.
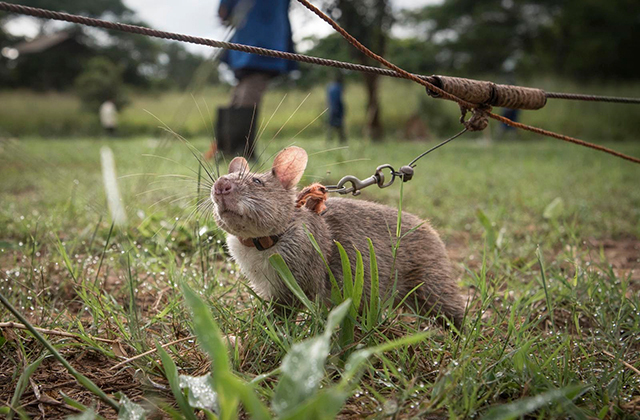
(235,131)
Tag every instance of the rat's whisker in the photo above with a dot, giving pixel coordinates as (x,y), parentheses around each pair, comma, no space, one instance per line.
(291,116)
(202,116)
(156,175)
(194,151)
(285,123)
(248,149)
(213,137)
(308,125)
(170,197)
(169,160)
(198,210)
(329,150)
(341,163)
(265,125)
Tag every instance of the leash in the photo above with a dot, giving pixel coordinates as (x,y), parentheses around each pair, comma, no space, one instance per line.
(378,178)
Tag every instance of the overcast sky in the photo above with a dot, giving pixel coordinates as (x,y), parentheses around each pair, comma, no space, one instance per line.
(199,18)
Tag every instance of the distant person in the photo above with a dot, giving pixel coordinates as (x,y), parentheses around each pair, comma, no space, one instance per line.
(512,114)
(109,117)
(261,23)
(336,108)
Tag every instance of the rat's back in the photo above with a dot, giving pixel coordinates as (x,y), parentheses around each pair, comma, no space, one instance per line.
(421,257)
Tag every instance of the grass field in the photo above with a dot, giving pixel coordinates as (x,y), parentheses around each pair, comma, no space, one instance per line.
(51,115)
(545,237)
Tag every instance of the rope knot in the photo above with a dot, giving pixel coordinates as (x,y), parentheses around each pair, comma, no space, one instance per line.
(479,117)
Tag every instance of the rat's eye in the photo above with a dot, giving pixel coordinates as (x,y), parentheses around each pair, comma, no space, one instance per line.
(258,181)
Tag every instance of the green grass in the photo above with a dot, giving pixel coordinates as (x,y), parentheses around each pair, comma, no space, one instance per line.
(51,115)
(548,331)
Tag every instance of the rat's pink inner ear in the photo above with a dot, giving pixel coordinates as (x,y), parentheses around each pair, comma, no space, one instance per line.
(238,164)
(289,166)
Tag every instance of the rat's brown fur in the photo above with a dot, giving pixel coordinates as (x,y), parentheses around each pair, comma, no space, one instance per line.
(249,205)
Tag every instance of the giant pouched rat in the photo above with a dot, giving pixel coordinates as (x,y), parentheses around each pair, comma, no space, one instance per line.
(259,213)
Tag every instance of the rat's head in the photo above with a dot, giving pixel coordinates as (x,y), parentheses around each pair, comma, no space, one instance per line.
(251,205)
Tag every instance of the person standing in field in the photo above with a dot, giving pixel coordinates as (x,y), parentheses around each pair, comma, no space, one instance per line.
(109,117)
(336,108)
(260,23)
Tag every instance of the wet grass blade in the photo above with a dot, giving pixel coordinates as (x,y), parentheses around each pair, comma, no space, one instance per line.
(336,294)
(79,406)
(88,414)
(358,283)
(303,367)
(200,392)
(171,371)
(130,410)
(104,251)
(245,392)
(374,302)
(529,405)
(210,340)
(324,406)
(347,277)
(229,388)
(84,381)
(286,275)
(356,360)
(544,285)
(23,381)
(347,333)
(67,260)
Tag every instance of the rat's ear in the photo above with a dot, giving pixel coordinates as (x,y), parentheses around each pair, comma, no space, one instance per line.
(289,166)
(238,164)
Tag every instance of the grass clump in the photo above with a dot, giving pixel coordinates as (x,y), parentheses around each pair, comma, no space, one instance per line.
(550,333)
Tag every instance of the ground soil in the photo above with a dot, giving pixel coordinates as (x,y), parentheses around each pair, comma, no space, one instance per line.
(42,397)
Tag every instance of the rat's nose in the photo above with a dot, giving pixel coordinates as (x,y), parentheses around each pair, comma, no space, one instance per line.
(222,186)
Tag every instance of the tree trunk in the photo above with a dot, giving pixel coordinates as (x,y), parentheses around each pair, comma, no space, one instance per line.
(373,128)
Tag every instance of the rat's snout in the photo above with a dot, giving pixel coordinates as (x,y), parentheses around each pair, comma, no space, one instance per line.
(223,186)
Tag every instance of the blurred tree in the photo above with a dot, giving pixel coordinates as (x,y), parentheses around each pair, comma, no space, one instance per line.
(591,39)
(180,67)
(145,62)
(333,47)
(93,8)
(477,37)
(101,80)
(413,54)
(575,38)
(49,62)
(369,21)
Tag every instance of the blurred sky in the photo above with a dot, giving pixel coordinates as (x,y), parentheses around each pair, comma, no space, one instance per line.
(199,18)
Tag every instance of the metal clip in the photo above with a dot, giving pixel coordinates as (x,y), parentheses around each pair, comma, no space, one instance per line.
(358,184)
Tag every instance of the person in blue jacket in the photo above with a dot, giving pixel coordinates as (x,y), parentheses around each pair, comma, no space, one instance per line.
(260,23)
(336,108)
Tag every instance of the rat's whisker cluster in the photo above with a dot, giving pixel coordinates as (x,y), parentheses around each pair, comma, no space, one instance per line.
(309,124)
(204,122)
(333,149)
(259,136)
(248,149)
(194,151)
